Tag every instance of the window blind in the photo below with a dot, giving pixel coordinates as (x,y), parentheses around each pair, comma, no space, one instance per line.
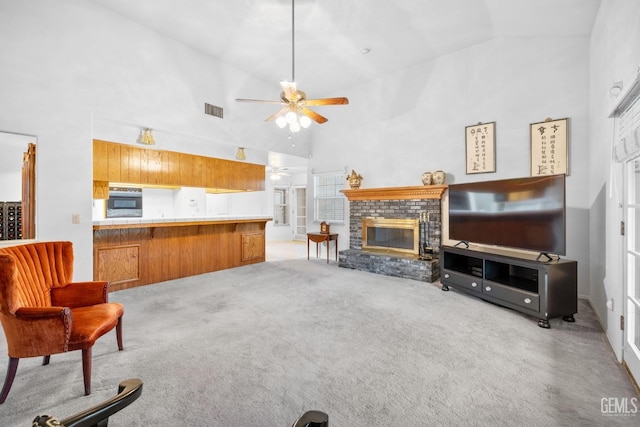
(329,202)
(627,114)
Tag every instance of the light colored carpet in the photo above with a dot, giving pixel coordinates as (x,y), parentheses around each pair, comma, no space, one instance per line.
(259,345)
(282,250)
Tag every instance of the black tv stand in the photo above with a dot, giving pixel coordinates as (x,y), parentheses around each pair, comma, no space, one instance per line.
(544,289)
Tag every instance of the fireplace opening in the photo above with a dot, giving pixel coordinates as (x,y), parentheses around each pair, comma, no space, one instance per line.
(391,235)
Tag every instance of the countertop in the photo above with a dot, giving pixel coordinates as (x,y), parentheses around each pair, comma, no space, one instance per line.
(113,223)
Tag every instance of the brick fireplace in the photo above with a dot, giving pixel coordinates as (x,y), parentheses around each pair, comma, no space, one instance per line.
(399,205)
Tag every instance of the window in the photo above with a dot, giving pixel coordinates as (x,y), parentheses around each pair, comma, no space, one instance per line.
(280,206)
(328,201)
(627,115)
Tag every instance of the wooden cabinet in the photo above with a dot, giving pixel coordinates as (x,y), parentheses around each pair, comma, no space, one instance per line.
(100,162)
(130,164)
(117,264)
(185,169)
(131,255)
(100,189)
(113,162)
(169,165)
(253,246)
(544,289)
(151,167)
(199,170)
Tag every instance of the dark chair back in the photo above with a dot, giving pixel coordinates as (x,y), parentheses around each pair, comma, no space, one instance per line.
(312,419)
(98,416)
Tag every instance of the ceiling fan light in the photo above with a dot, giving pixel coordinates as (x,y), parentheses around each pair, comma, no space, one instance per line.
(291,117)
(281,122)
(294,127)
(305,121)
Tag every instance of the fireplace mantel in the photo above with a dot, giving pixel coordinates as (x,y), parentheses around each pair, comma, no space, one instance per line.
(396,193)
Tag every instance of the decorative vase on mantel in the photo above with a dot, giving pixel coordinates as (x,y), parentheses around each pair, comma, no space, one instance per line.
(354,179)
(427,178)
(439,177)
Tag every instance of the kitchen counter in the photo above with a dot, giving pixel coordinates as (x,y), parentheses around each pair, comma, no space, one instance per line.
(119,223)
(130,252)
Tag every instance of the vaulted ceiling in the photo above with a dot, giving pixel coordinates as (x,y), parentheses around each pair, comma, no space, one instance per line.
(256,35)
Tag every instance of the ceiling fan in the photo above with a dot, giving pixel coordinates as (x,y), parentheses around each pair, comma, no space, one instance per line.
(295,110)
(277,173)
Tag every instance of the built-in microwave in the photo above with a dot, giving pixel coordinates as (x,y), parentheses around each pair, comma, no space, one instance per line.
(124,202)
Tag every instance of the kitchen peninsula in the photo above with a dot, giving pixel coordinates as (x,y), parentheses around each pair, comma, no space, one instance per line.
(136,252)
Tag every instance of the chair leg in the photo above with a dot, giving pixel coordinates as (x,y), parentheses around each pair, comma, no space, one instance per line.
(119,333)
(46,359)
(86,370)
(8,381)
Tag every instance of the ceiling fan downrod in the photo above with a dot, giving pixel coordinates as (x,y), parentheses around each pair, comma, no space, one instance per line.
(295,110)
(293,41)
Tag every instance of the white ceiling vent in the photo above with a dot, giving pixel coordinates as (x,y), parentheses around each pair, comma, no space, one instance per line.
(213,110)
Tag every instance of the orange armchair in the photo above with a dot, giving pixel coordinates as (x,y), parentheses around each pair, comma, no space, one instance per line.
(44,313)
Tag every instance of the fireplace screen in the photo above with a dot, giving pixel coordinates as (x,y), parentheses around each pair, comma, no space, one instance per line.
(390,235)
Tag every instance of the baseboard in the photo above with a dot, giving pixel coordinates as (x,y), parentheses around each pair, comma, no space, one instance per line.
(596,312)
(633,380)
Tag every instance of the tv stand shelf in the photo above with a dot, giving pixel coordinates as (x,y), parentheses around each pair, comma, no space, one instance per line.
(540,288)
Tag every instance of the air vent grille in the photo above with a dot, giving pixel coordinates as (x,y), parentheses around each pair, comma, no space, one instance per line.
(213,110)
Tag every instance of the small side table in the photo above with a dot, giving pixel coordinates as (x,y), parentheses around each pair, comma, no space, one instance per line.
(319,238)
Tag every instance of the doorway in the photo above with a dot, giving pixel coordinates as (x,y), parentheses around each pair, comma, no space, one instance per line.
(17,186)
(299,212)
(632,274)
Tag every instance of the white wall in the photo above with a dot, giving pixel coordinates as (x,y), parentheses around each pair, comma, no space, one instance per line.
(614,57)
(12,147)
(11,186)
(414,121)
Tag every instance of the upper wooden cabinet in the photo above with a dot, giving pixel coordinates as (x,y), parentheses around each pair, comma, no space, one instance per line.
(130,166)
(114,162)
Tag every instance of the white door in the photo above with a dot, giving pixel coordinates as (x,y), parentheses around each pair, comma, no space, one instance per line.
(300,213)
(632,276)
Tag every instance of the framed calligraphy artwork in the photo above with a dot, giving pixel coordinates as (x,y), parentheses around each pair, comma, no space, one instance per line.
(480,150)
(549,147)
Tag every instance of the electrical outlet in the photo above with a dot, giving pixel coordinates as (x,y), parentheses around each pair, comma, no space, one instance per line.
(75,219)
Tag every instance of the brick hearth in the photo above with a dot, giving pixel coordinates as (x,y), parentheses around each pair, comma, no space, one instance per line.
(398,202)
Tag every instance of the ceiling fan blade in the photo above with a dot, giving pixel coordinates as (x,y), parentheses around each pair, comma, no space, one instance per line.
(278,114)
(326,101)
(312,114)
(262,101)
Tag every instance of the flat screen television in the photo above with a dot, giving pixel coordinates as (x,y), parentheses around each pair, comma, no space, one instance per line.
(522,213)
